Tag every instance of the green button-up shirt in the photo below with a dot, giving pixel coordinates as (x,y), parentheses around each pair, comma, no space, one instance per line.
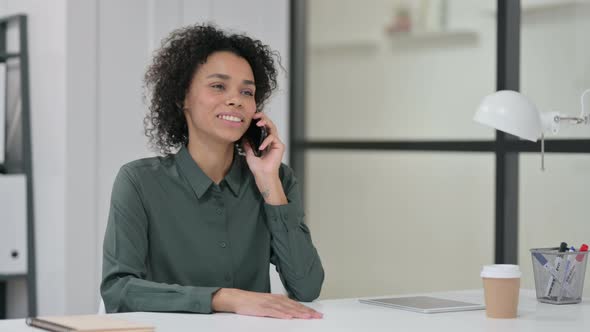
(174,237)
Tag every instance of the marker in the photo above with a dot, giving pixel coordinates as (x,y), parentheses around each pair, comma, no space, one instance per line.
(569,278)
(568,263)
(543,261)
(557,263)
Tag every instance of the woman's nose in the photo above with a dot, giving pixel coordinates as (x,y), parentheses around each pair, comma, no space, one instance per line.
(234,101)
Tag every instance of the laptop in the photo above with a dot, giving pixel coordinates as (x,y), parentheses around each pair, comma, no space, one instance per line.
(424,304)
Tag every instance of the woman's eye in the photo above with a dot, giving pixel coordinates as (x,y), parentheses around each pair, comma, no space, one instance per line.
(248,93)
(218,86)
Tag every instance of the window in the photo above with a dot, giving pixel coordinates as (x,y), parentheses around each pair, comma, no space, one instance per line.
(389,156)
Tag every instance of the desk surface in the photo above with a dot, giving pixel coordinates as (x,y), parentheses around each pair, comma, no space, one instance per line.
(350,315)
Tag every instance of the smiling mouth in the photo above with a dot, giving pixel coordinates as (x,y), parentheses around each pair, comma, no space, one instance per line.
(230,118)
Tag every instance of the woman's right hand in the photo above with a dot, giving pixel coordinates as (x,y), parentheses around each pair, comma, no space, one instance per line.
(260,304)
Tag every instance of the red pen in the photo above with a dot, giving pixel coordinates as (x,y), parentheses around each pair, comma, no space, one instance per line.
(580,257)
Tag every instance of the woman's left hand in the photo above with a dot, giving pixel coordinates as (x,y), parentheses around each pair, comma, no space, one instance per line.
(268,164)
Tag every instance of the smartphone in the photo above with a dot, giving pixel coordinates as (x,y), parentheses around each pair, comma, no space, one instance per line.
(255,136)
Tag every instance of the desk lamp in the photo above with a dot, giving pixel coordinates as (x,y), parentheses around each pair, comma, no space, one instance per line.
(513,113)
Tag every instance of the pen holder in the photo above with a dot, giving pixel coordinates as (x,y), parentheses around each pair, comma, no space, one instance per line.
(559,276)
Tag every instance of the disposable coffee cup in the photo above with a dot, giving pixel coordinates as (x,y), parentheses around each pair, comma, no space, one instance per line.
(501,284)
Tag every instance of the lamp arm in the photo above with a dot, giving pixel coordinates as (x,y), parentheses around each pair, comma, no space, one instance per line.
(550,124)
(550,121)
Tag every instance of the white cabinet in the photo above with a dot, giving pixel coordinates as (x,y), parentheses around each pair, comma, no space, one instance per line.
(13,225)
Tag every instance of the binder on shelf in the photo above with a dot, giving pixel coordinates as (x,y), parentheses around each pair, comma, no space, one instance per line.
(13,214)
(2,113)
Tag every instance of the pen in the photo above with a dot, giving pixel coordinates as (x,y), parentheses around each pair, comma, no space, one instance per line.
(557,263)
(547,266)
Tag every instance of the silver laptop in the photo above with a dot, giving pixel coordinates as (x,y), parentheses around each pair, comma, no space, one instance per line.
(424,304)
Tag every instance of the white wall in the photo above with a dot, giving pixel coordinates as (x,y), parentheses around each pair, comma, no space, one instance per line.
(87,59)
(82,72)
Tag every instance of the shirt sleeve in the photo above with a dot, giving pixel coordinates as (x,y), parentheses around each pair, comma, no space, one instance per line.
(124,286)
(292,250)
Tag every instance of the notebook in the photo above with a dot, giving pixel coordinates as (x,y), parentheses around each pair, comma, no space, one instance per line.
(87,323)
(424,304)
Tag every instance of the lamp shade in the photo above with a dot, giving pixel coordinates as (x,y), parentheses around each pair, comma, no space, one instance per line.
(510,112)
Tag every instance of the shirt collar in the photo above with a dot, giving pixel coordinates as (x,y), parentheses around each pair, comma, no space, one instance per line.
(235,176)
(200,182)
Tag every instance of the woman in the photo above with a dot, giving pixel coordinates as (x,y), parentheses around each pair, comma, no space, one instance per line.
(196,229)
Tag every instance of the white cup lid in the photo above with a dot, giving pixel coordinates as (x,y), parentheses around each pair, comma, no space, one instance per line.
(501,271)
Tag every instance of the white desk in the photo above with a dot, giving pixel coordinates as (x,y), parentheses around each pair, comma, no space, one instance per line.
(350,315)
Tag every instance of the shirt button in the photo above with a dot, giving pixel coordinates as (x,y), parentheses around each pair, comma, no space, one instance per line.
(219,211)
(222,244)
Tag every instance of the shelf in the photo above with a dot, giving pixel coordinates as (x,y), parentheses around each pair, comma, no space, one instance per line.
(434,38)
(405,39)
(5,56)
(540,6)
(546,5)
(21,164)
(5,277)
(353,46)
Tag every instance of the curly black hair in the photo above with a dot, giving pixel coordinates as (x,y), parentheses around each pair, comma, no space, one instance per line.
(168,78)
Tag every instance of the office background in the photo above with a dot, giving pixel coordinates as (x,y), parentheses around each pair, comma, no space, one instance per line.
(380,106)
(384,222)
